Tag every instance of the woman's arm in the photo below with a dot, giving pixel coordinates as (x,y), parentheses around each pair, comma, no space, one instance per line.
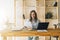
(27,25)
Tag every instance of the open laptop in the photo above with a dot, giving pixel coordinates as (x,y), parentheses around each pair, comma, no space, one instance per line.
(42,26)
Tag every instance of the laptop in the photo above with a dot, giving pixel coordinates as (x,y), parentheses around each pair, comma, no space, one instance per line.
(42,26)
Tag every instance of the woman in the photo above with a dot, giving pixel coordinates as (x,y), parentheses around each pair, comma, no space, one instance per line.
(32,23)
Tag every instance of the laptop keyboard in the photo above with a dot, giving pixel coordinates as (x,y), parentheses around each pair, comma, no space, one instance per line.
(42,31)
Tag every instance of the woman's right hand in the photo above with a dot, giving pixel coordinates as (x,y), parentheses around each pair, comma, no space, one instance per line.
(29,28)
(26,28)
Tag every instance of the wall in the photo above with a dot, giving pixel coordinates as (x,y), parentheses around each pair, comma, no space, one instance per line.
(6,13)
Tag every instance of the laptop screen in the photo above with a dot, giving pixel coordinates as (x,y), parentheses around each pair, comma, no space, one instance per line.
(43,26)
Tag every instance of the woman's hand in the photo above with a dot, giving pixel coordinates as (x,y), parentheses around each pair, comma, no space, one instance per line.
(29,28)
(26,28)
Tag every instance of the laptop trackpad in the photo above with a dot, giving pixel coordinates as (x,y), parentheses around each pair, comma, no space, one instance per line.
(42,31)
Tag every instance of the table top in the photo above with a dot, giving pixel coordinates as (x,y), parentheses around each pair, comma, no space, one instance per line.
(55,32)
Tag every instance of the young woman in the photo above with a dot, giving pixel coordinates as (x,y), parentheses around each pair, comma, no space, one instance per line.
(32,23)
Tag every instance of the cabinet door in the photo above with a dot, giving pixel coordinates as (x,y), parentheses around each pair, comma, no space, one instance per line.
(40,10)
(29,5)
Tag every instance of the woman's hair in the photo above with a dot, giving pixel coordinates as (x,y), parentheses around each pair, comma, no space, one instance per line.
(35,15)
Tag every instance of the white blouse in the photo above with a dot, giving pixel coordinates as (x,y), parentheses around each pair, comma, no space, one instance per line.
(32,25)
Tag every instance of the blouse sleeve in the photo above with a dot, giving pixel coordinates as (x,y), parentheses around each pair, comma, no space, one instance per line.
(28,24)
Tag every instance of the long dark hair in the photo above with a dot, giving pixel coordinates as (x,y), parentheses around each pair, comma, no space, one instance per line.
(35,15)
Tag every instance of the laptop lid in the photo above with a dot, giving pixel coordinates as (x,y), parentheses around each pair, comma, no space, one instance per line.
(43,26)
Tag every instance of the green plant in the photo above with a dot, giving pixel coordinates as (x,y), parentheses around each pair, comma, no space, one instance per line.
(48,15)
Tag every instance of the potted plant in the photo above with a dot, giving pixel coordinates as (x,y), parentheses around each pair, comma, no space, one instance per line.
(48,15)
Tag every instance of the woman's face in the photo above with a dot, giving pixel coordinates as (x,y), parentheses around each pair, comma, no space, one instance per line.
(33,15)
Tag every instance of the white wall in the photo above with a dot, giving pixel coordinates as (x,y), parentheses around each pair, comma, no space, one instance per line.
(6,13)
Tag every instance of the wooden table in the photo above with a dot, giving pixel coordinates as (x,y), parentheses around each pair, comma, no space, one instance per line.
(33,33)
(29,33)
